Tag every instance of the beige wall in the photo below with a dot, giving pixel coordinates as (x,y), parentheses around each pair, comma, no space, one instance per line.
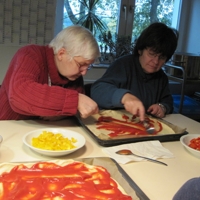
(94,74)
(21,23)
(6,54)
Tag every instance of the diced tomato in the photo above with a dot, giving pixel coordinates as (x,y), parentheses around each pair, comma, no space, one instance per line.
(192,145)
(195,143)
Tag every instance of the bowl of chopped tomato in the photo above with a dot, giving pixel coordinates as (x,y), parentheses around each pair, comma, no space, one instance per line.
(53,141)
(192,143)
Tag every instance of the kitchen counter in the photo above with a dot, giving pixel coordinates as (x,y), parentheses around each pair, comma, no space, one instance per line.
(156,181)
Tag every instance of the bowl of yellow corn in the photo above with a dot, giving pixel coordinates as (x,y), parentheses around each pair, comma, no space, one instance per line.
(54,141)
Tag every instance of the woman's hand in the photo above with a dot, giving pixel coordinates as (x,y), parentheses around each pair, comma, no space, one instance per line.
(133,105)
(86,106)
(156,110)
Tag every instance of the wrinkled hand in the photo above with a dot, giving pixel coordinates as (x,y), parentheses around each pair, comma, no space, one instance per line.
(156,110)
(133,105)
(86,106)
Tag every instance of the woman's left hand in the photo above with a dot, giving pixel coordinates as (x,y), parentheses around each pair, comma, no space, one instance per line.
(156,110)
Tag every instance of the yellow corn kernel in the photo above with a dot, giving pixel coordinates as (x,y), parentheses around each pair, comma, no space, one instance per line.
(53,141)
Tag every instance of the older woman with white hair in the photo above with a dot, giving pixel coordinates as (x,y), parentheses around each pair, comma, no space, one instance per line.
(46,81)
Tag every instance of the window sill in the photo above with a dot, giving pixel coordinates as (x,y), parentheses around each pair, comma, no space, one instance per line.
(101,65)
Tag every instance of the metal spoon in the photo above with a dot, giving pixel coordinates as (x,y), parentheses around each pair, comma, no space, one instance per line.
(128,152)
(149,129)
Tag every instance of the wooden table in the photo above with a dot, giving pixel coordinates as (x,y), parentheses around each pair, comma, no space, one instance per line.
(158,182)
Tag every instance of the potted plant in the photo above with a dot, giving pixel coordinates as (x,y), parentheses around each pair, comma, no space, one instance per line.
(87,16)
(112,49)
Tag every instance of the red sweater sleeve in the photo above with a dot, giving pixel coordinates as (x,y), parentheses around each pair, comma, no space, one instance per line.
(41,100)
(29,92)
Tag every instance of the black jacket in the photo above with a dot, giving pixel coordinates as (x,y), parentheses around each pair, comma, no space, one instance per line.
(126,75)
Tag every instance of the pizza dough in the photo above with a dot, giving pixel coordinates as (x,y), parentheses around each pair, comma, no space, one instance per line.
(122,123)
(58,180)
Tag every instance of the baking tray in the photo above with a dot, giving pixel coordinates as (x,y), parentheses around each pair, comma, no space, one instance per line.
(115,170)
(106,142)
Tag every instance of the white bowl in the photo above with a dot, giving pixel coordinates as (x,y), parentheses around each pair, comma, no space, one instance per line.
(27,139)
(185,140)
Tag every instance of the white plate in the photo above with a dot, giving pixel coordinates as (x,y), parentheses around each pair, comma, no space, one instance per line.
(66,133)
(185,140)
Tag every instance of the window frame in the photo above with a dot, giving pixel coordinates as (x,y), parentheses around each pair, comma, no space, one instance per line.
(126,16)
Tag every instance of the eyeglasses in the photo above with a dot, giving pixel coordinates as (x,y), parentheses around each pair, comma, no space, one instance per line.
(80,65)
(152,55)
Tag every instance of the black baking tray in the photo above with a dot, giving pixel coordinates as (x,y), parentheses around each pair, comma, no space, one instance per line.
(112,166)
(114,142)
(130,139)
(138,191)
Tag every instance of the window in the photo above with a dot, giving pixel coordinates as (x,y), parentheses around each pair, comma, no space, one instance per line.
(123,17)
(79,11)
(147,12)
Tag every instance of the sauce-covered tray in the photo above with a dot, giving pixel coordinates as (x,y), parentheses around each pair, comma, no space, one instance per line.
(114,127)
(116,172)
(65,178)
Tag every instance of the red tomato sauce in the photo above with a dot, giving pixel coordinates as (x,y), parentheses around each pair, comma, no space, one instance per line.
(50,181)
(124,127)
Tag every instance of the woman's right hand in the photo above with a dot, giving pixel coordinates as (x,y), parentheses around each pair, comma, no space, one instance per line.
(86,106)
(133,105)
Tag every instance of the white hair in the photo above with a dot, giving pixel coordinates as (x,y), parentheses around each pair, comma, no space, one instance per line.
(78,41)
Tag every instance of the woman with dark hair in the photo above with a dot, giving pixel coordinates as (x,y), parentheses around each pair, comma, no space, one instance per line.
(136,82)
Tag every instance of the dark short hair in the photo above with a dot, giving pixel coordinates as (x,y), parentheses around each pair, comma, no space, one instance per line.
(159,38)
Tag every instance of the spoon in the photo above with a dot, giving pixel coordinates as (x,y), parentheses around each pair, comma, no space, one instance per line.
(149,129)
(128,152)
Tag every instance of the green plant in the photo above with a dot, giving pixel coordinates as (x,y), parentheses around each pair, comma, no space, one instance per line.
(112,49)
(86,16)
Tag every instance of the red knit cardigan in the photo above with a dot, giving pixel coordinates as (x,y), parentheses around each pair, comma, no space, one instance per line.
(25,92)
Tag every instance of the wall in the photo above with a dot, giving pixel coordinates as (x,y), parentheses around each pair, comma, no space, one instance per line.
(193,41)
(6,54)
(93,74)
(24,22)
(189,28)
